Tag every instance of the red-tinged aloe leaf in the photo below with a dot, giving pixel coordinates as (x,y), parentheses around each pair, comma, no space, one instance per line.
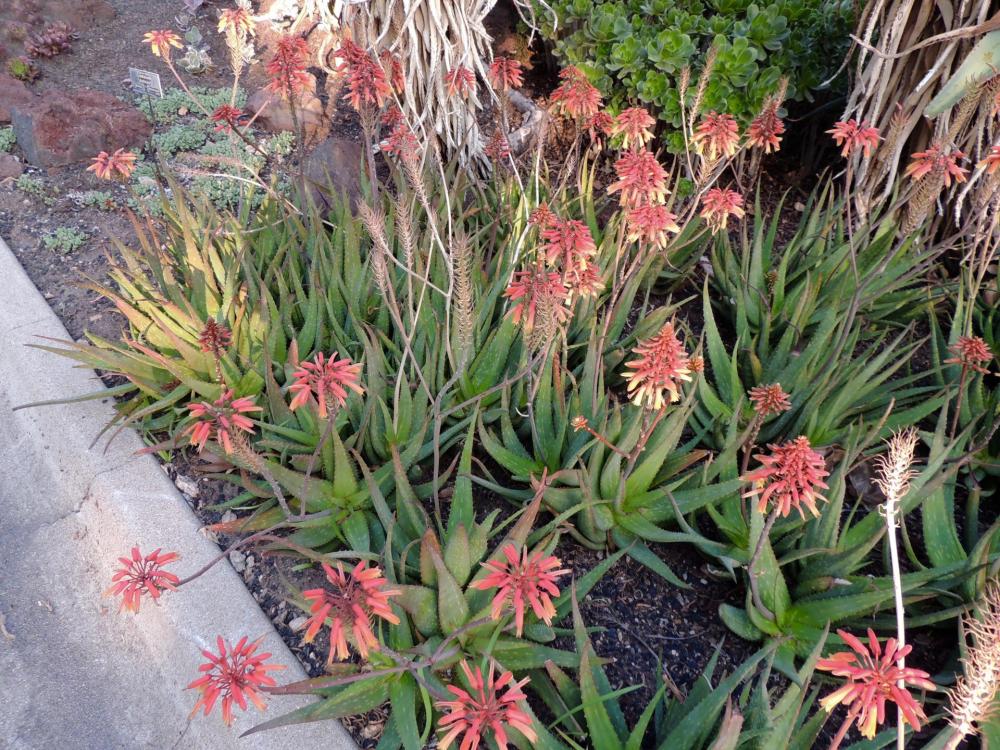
(453,609)
(340,673)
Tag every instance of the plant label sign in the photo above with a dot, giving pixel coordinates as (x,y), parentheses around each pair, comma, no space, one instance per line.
(145,82)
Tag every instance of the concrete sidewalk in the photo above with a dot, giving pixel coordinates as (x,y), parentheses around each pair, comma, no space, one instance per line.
(76,675)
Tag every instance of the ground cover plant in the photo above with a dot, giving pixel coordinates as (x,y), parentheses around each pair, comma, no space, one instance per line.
(428,394)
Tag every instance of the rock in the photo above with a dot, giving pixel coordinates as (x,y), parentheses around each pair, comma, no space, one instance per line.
(187,485)
(65,127)
(10,167)
(333,167)
(276,113)
(12,93)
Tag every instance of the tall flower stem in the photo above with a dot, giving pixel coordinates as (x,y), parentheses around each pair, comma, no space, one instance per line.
(894,474)
(842,732)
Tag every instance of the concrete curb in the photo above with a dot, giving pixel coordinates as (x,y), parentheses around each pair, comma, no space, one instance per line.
(75,673)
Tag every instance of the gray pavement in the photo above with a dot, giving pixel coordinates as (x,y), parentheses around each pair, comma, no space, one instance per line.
(75,674)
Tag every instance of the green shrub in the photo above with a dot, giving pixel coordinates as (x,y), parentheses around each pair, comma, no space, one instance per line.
(635,50)
(167,111)
(181,137)
(65,240)
(7,140)
(35,187)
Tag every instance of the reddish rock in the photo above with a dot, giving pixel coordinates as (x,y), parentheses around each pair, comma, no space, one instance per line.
(10,167)
(60,127)
(12,93)
(276,113)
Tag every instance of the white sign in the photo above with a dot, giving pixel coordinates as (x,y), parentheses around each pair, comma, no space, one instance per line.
(145,82)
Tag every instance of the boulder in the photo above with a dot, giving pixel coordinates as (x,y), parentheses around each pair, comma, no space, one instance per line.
(334,167)
(10,167)
(276,113)
(67,127)
(12,93)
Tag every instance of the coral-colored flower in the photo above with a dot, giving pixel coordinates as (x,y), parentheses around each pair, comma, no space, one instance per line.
(634,125)
(853,135)
(576,97)
(402,142)
(392,116)
(107,166)
(790,476)
(220,419)
(662,363)
(542,217)
(936,159)
(598,126)
(498,147)
(766,129)
(356,598)
(236,675)
(650,224)
(769,400)
(583,281)
(366,79)
(641,179)
(525,579)
(697,364)
(390,62)
(568,241)
(326,381)
(287,69)
(142,575)
(716,135)
(874,677)
(460,82)
(161,41)
(579,422)
(226,117)
(970,352)
(505,73)
(484,710)
(991,162)
(215,338)
(718,204)
(237,21)
(537,290)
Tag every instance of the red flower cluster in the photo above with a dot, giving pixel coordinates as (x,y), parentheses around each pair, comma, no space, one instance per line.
(402,142)
(366,79)
(356,598)
(522,580)
(142,575)
(568,242)
(769,400)
(790,476)
(854,135)
(214,338)
(226,117)
(484,709)
(460,82)
(537,289)
(505,73)
(662,363)
(236,675)
(498,148)
(650,224)
(326,381)
(937,159)
(598,127)
(970,352)
(576,97)
(161,41)
(718,204)
(634,125)
(107,166)
(716,135)
(641,179)
(220,419)
(874,677)
(991,162)
(287,69)
(236,21)
(766,129)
